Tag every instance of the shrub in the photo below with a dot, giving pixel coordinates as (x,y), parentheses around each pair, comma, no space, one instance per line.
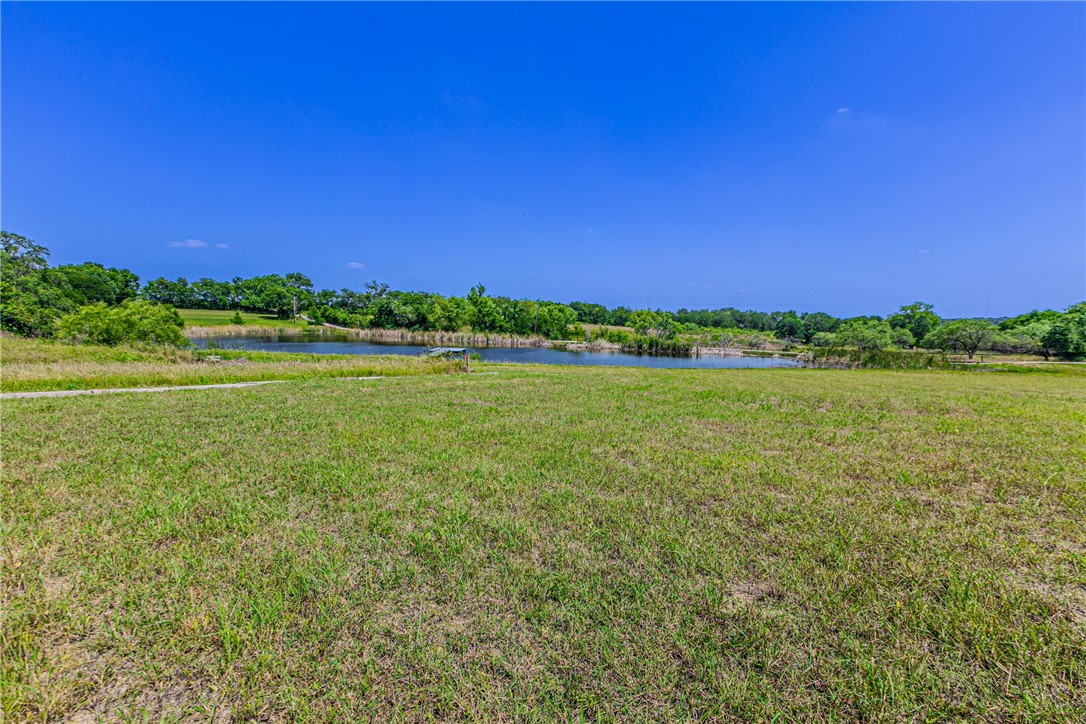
(135,320)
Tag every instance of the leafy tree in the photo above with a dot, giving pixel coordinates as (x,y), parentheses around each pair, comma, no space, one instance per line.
(591,313)
(917,317)
(134,320)
(620,316)
(815,322)
(32,295)
(175,293)
(1048,316)
(962,335)
(1067,335)
(554,319)
(824,339)
(643,320)
(788,325)
(658,324)
(393,312)
(484,313)
(902,337)
(451,314)
(865,333)
(1023,339)
(90,282)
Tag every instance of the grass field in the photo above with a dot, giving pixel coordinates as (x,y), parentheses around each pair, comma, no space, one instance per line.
(224,318)
(36,365)
(552,543)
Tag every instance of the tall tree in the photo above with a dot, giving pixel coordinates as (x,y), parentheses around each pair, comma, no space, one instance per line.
(32,296)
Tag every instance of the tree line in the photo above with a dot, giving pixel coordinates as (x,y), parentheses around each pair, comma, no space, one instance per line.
(35,298)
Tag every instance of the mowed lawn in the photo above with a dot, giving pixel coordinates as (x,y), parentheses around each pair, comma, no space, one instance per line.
(551,543)
(225,317)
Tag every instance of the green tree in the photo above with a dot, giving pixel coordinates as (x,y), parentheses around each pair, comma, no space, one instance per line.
(902,337)
(450,314)
(485,316)
(91,282)
(917,317)
(1048,315)
(32,296)
(1067,335)
(815,322)
(867,334)
(962,335)
(788,325)
(658,324)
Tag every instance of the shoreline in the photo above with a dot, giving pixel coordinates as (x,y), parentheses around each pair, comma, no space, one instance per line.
(479,340)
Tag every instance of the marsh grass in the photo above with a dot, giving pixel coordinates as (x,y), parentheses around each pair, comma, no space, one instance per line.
(886,359)
(38,365)
(552,544)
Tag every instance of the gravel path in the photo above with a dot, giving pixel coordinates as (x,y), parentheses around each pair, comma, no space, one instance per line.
(69,393)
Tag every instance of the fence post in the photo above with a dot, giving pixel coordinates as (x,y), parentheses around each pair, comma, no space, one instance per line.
(467,360)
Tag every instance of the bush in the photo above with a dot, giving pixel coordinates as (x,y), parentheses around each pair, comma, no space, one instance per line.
(135,320)
(236,319)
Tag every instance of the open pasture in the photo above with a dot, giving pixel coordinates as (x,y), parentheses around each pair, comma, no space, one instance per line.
(552,543)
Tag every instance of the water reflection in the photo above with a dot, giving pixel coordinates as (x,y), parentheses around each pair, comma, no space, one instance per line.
(322,344)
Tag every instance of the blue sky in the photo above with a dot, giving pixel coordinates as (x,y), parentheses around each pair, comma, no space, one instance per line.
(843,157)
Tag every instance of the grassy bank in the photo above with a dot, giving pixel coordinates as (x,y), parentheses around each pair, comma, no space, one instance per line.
(553,543)
(225,318)
(33,365)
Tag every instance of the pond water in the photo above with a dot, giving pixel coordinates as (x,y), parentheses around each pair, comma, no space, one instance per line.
(323,344)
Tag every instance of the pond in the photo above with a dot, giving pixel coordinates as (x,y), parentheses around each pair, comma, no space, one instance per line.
(321,344)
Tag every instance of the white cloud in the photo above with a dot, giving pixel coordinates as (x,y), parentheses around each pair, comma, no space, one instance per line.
(355,265)
(846,119)
(188,244)
(222,246)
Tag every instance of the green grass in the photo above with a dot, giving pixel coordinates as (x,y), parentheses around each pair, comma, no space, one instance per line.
(30,365)
(552,544)
(224,318)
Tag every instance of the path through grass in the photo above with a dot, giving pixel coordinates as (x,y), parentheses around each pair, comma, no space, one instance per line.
(38,365)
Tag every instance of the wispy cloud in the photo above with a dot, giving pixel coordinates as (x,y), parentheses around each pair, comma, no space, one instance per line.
(355,265)
(848,119)
(222,246)
(188,244)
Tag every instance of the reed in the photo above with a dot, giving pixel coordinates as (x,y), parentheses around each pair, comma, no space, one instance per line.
(883,359)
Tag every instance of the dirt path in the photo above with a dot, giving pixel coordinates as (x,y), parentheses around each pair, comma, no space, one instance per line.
(107,391)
